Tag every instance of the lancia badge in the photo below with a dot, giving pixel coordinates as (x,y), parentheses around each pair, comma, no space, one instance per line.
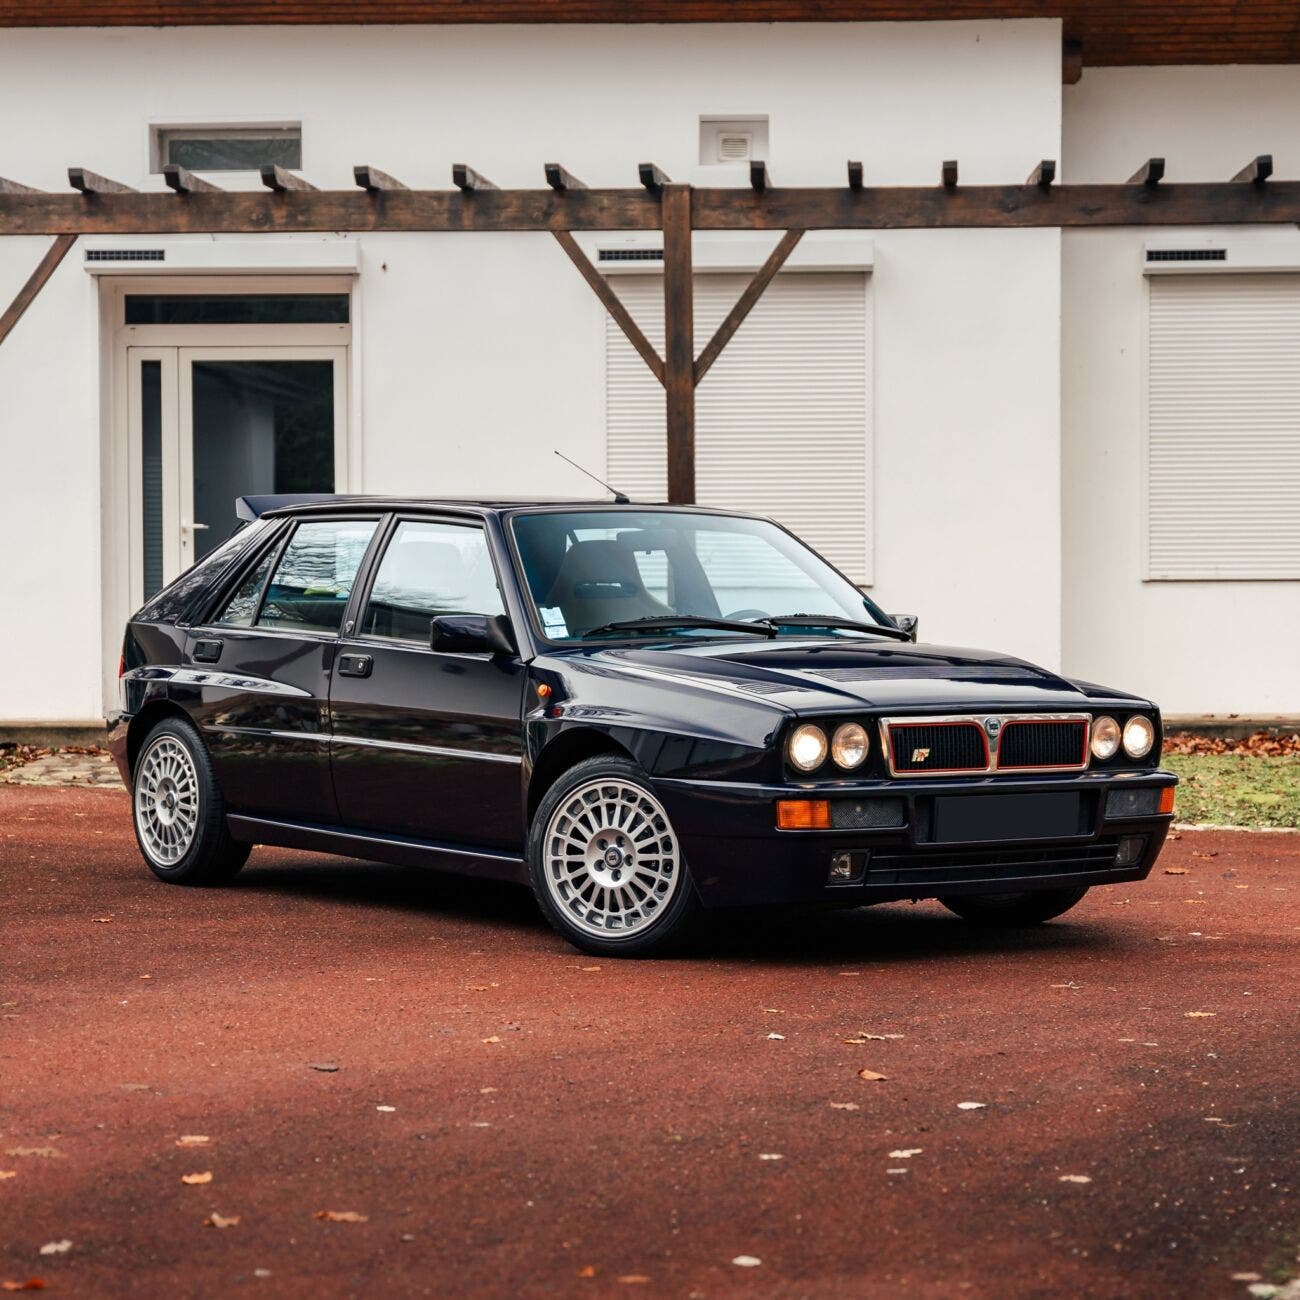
(920,755)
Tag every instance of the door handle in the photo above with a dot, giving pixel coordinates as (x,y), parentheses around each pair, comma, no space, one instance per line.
(355,665)
(207,651)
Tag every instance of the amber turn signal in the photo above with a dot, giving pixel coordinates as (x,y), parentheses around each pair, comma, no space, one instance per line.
(1167,799)
(803,815)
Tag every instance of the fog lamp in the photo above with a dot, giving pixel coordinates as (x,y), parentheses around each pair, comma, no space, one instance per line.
(1139,736)
(807,748)
(1105,738)
(846,868)
(1130,850)
(849,746)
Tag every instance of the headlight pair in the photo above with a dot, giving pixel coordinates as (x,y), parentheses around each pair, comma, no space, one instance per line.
(1137,737)
(808,746)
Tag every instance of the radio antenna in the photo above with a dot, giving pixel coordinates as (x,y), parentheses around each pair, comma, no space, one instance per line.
(620,499)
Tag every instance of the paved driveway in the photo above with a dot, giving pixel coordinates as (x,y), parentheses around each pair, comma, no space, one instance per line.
(512,1118)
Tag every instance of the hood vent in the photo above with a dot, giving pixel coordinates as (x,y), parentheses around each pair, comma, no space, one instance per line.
(1187,254)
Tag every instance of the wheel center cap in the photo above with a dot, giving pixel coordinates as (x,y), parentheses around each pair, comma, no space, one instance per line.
(614,857)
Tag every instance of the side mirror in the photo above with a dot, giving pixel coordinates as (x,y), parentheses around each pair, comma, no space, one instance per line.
(906,623)
(461,634)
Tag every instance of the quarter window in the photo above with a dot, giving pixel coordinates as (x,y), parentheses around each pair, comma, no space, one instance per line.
(311,585)
(241,609)
(427,570)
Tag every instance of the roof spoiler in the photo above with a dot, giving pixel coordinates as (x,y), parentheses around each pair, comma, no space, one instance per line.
(254,507)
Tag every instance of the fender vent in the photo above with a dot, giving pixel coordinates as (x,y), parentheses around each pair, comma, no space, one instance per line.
(1187,254)
(126,255)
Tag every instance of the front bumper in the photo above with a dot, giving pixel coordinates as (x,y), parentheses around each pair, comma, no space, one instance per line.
(738,857)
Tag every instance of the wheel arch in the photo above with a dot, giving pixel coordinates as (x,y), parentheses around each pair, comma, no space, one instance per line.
(565,751)
(145,721)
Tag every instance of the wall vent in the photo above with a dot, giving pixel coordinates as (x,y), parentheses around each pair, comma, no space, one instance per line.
(735,146)
(631,255)
(126,255)
(1187,254)
(733,140)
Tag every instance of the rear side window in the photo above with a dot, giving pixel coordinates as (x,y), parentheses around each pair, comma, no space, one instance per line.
(313,580)
(429,569)
(241,609)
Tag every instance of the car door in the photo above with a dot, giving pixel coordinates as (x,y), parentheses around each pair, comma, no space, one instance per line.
(263,663)
(428,744)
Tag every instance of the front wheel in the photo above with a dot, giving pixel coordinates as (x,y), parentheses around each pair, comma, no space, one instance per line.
(605,863)
(179,812)
(1031,908)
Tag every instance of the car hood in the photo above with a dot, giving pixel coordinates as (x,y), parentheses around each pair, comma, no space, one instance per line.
(829,673)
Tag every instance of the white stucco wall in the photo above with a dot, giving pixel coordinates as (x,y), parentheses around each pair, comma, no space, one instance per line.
(475,355)
(1196,647)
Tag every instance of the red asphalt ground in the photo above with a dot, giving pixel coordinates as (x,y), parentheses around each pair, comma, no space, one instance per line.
(568,1126)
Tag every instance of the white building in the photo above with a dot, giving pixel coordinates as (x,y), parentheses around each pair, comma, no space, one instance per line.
(1079,446)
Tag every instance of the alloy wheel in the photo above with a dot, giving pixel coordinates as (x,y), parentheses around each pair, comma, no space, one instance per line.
(167,800)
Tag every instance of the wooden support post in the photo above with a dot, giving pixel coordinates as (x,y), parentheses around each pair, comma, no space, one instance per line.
(948,174)
(1257,171)
(1044,174)
(1152,172)
(744,304)
(559,179)
(373,181)
(184,181)
(613,303)
(679,344)
(92,183)
(652,177)
(855,175)
(277,178)
(467,179)
(758,176)
(35,283)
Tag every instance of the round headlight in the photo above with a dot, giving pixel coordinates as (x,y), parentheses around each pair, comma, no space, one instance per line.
(1105,738)
(1139,736)
(807,747)
(849,745)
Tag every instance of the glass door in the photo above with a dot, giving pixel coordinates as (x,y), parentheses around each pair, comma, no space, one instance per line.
(210,424)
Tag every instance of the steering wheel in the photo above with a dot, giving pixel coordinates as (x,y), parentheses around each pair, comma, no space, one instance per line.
(743,615)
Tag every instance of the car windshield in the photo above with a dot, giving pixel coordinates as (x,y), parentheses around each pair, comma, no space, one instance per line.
(593,575)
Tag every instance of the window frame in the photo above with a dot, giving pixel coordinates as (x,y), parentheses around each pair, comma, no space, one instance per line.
(355,619)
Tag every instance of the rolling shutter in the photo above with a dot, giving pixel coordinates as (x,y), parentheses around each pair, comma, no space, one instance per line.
(782,418)
(1224,427)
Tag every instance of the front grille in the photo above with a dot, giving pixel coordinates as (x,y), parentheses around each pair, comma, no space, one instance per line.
(938,747)
(929,868)
(1043,743)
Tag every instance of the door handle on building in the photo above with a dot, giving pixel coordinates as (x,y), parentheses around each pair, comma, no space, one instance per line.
(195,528)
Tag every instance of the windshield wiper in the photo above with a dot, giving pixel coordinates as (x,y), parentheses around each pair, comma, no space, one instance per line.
(834,620)
(667,622)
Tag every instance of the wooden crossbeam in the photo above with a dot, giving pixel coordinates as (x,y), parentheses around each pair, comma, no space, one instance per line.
(948,174)
(559,179)
(467,179)
(1044,174)
(1257,171)
(613,303)
(89,182)
(1152,172)
(652,177)
(745,303)
(855,175)
(35,283)
(277,178)
(16,187)
(184,181)
(758,180)
(373,181)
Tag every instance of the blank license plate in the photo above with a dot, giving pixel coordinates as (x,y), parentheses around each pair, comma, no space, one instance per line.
(1005,817)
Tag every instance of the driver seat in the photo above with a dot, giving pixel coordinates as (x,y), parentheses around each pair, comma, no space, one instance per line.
(599,583)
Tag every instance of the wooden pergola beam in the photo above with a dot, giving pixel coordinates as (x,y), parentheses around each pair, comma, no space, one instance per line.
(88,182)
(855,175)
(468,180)
(1257,171)
(282,181)
(373,181)
(948,173)
(35,283)
(1151,173)
(652,177)
(560,179)
(1044,174)
(184,181)
(16,187)
(758,178)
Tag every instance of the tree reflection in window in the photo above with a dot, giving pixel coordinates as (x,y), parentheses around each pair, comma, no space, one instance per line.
(314,578)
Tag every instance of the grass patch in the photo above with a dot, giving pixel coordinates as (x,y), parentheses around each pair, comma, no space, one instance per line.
(1236,789)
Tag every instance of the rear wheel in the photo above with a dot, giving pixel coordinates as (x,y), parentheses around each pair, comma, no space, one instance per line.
(1030,908)
(179,812)
(605,863)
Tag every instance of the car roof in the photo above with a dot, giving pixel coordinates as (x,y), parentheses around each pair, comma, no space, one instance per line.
(257,507)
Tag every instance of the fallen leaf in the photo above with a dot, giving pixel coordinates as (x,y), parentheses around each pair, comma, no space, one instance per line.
(1074,1178)
(45,1153)
(896,1171)
(971,1105)
(906,1153)
(590,970)
(1070,985)
(325,1067)
(193,1140)
(342,1216)
(844,1105)
(8,1173)
(770,1155)
(215,1220)
(1175,871)
(1222,1123)
(747,1261)
(195,1180)
(1196,1015)
(56,1247)
(633,1279)
(1196,853)
(863,1037)
(496,1038)
(1246,1277)
(478,988)
(780,1038)
(387,1110)
(486,1090)
(103,920)
(32,1284)
(871,1076)
(588,1271)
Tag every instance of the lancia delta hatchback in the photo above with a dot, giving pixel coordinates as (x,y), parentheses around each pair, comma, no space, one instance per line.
(641,712)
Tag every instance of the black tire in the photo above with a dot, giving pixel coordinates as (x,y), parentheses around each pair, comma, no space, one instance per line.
(671,912)
(1008,910)
(204,853)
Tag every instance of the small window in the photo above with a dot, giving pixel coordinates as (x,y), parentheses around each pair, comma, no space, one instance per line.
(241,609)
(227,148)
(732,139)
(236,309)
(314,578)
(431,569)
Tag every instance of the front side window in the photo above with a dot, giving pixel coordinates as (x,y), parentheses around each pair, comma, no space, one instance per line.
(587,570)
(313,580)
(430,569)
